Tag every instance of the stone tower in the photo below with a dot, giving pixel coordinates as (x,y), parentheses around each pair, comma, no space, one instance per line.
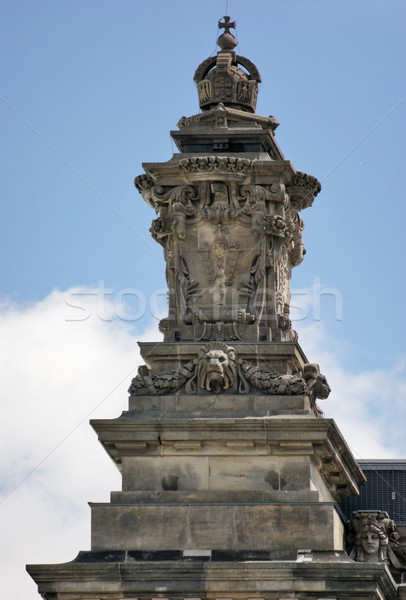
(230,473)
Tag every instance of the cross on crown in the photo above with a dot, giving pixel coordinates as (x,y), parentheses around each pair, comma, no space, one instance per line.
(227,25)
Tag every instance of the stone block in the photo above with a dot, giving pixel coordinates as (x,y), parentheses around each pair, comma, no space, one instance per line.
(318,483)
(216,527)
(238,473)
(138,527)
(211,526)
(295,473)
(281,404)
(286,527)
(141,404)
(195,403)
(165,473)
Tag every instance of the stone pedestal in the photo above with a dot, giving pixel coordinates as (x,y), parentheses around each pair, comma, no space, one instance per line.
(224,472)
(225,494)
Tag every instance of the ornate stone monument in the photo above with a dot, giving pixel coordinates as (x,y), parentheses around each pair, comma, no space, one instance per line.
(231,474)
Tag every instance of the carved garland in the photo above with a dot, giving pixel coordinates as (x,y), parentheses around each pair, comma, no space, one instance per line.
(158,385)
(216,369)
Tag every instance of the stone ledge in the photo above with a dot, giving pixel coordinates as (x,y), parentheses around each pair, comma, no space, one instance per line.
(219,405)
(334,577)
(215,497)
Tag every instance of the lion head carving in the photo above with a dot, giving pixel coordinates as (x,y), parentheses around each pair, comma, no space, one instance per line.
(216,368)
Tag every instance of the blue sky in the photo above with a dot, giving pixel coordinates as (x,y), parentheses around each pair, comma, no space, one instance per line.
(90,90)
(104,82)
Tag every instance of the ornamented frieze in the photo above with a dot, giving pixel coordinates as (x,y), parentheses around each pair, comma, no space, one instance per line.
(229,250)
(216,164)
(217,369)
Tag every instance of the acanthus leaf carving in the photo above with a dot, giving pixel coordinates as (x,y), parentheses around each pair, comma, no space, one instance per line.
(305,181)
(178,198)
(251,195)
(219,331)
(216,164)
(144,185)
(303,188)
(272,225)
(161,228)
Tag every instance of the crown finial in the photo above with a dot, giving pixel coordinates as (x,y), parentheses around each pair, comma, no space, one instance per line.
(226,40)
(221,80)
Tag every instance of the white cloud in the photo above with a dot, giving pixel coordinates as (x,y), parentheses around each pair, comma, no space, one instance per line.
(56,374)
(367,406)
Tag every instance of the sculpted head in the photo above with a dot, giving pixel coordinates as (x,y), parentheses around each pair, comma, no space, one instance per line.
(370,543)
(216,367)
(371,540)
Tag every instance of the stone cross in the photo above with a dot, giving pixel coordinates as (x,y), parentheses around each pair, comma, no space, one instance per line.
(227,25)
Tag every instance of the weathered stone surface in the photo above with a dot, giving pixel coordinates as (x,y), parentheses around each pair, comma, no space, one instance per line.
(166,473)
(220,405)
(316,576)
(311,451)
(211,527)
(237,472)
(139,528)
(239,496)
(216,527)
(232,473)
